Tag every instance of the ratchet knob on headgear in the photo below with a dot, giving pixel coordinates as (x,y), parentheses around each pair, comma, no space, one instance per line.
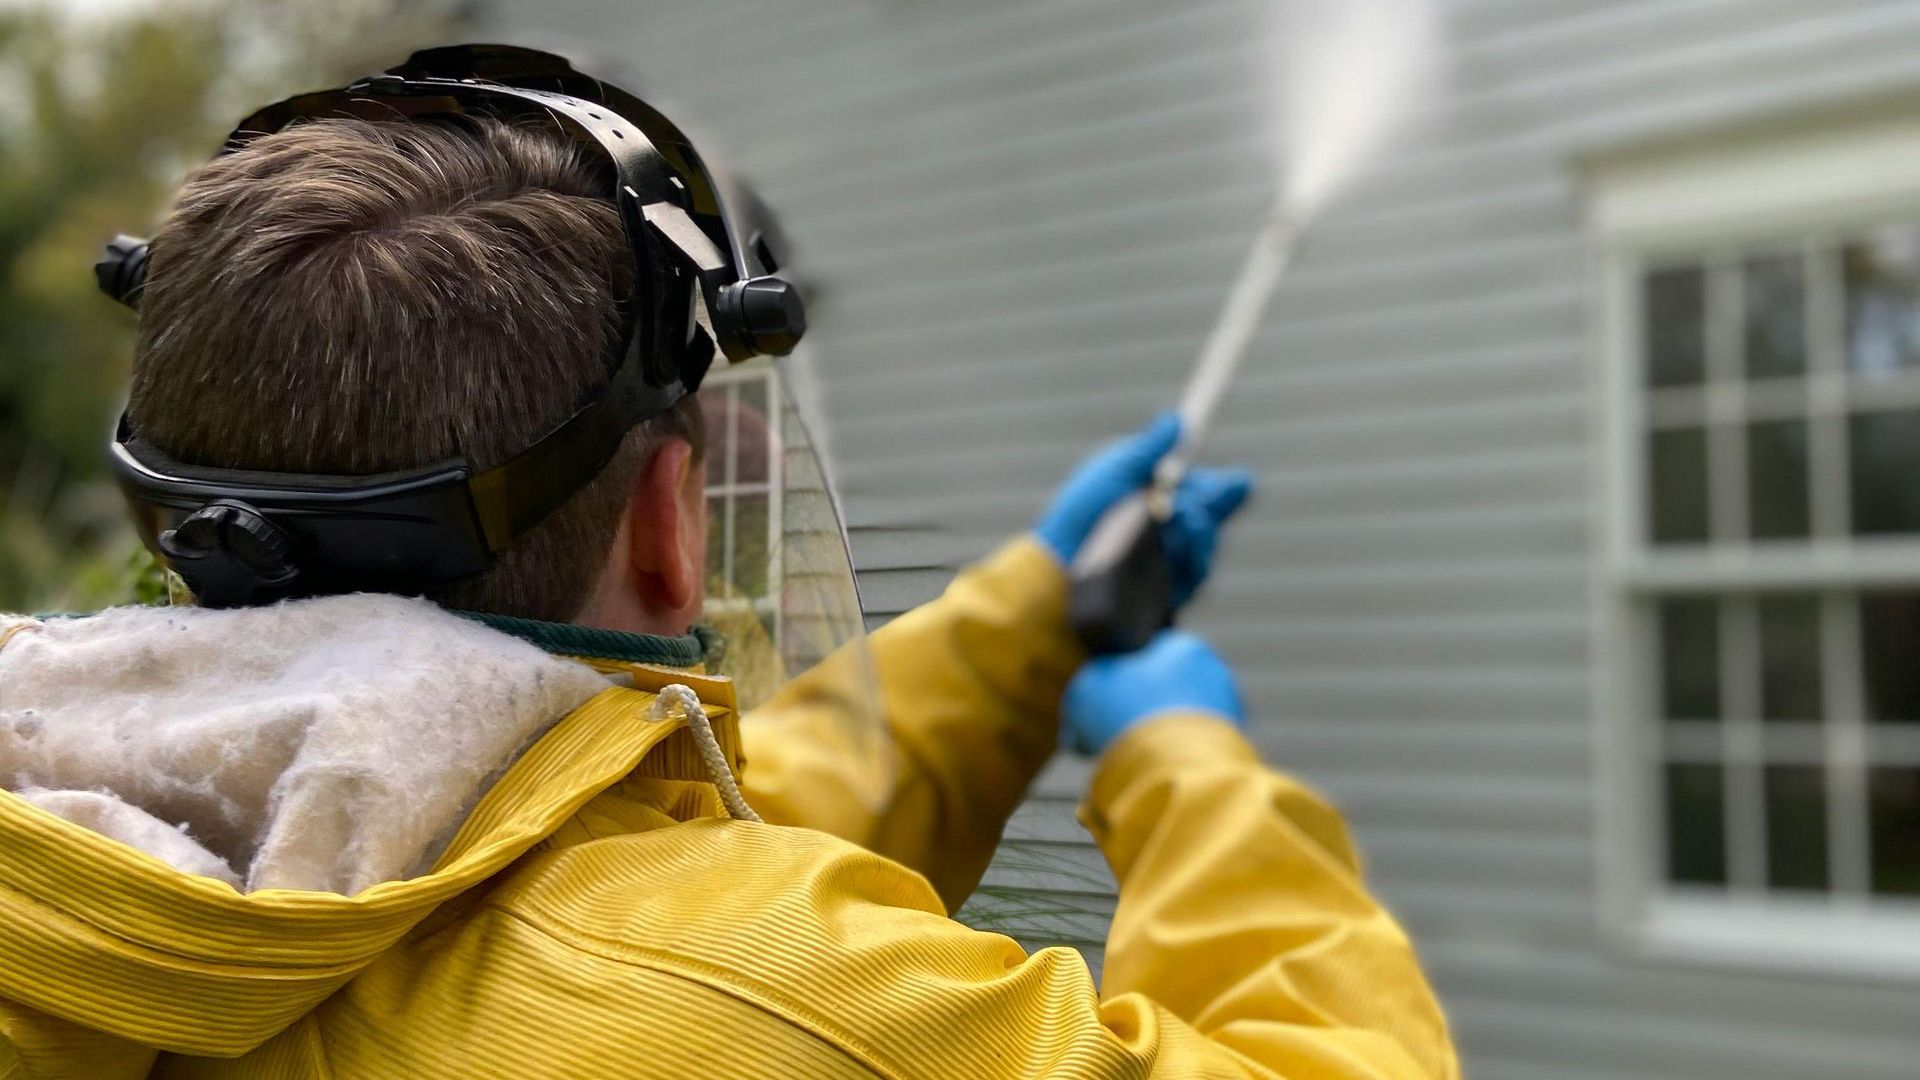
(766,313)
(122,269)
(230,555)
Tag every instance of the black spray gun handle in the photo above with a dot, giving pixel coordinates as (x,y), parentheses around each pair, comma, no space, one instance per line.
(1121,582)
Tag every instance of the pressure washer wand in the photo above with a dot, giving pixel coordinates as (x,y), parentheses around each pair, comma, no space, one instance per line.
(1122,583)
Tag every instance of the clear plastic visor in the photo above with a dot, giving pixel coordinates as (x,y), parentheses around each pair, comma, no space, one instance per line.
(781,595)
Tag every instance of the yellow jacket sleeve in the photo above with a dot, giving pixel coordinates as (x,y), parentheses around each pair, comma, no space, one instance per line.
(728,948)
(969,688)
(1243,915)
(1244,946)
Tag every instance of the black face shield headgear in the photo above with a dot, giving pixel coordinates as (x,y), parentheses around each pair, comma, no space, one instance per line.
(241,537)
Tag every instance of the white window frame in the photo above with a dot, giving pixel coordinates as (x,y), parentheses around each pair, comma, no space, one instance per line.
(1787,183)
(731,487)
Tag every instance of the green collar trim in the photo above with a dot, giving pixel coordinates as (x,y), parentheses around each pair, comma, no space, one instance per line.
(567,639)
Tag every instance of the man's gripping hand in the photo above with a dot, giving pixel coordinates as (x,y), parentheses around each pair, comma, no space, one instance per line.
(1176,672)
(1203,502)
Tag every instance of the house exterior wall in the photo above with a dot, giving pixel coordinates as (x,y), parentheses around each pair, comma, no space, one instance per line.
(1021,217)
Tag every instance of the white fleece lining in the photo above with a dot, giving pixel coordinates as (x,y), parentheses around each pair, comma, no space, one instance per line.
(324,745)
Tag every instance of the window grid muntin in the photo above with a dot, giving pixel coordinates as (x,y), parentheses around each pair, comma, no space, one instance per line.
(1724,406)
(730,488)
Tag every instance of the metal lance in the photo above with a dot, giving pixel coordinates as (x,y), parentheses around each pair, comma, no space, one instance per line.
(1122,588)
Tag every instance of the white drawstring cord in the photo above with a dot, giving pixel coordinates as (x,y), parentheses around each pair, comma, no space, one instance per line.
(681,695)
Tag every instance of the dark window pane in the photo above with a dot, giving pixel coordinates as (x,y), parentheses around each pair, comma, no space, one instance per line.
(1883,301)
(753,433)
(1796,827)
(1776,316)
(1690,659)
(1895,825)
(1890,654)
(753,394)
(750,548)
(1777,486)
(1676,337)
(1696,825)
(1790,687)
(1886,472)
(1677,486)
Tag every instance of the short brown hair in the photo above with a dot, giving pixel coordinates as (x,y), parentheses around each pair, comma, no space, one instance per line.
(353,297)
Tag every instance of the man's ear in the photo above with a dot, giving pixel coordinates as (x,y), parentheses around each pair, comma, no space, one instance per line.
(663,551)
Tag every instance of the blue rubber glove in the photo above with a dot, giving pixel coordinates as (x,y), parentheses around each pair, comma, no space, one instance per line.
(1203,502)
(1176,672)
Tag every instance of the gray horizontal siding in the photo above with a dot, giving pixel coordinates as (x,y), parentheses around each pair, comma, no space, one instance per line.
(1020,217)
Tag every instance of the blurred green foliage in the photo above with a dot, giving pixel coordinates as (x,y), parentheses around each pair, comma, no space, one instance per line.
(101,114)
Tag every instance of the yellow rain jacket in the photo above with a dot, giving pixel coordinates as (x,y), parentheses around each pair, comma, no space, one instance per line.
(597,914)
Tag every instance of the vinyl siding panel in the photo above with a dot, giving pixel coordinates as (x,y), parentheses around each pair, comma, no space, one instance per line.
(1020,218)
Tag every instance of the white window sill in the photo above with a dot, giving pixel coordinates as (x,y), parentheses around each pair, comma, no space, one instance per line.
(1813,937)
